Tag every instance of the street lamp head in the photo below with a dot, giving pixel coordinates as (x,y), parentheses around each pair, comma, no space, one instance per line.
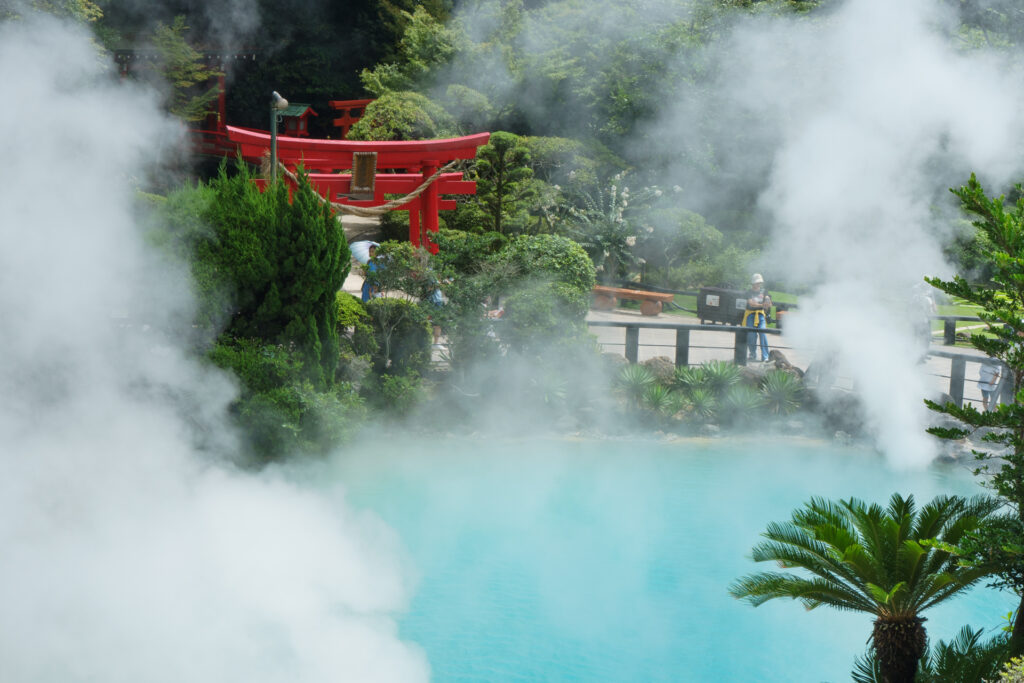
(278,102)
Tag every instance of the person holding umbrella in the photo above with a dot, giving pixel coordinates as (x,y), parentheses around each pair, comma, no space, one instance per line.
(365,252)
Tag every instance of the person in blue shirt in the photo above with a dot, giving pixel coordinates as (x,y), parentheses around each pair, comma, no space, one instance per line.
(371,290)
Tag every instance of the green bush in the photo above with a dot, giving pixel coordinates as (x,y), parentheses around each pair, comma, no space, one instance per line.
(402,332)
(686,379)
(355,325)
(464,253)
(278,410)
(259,367)
(740,405)
(703,403)
(396,394)
(634,381)
(543,316)
(782,392)
(553,258)
(719,376)
(394,226)
(403,115)
(264,267)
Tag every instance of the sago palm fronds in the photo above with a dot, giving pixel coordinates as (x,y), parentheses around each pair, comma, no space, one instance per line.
(867,558)
(658,399)
(740,402)
(719,376)
(634,380)
(782,392)
(967,659)
(686,379)
(703,403)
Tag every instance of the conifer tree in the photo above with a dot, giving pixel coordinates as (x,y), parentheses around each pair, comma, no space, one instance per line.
(999,545)
(279,264)
(504,182)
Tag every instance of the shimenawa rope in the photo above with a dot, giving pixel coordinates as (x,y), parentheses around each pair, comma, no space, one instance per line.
(367,211)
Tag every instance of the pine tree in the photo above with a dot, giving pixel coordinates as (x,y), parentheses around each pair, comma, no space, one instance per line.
(999,545)
(280,265)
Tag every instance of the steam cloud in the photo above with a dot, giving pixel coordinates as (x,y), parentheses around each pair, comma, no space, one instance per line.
(881,114)
(856,122)
(128,555)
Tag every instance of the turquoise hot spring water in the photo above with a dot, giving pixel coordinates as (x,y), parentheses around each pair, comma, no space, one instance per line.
(553,560)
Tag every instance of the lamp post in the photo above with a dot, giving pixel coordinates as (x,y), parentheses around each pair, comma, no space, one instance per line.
(277,105)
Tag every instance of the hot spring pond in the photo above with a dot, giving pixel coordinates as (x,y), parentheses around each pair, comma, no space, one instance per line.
(610,560)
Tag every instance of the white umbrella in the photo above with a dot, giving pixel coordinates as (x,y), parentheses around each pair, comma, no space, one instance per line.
(361,250)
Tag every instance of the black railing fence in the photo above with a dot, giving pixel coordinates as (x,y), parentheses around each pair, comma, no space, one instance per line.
(734,342)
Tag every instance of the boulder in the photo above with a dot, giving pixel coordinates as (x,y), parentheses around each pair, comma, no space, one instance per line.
(662,367)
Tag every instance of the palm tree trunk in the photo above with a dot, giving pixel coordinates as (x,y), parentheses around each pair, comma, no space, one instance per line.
(1017,635)
(899,643)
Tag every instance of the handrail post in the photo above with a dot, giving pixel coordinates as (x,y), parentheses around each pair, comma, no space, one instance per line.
(682,348)
(632,343)
(949,331)
(1005,386)
(739,353)
(956,381)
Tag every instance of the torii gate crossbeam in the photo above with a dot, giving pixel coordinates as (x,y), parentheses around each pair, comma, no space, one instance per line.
(420,158)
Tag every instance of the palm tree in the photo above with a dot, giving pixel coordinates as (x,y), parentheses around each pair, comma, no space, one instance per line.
(965,659)
(871,559)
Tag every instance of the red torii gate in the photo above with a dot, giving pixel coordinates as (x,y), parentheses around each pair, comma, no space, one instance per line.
(420,158)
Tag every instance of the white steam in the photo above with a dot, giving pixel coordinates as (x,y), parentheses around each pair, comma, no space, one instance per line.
(878,114)
(129,553)
(849,123)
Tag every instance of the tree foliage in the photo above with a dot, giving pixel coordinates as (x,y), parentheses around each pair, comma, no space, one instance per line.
(266,268)
(402,115)
(504,192)
(866,558)
(181,67)
(1002,310)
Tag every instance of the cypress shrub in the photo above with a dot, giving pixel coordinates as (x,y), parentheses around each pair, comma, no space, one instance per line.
(267,268)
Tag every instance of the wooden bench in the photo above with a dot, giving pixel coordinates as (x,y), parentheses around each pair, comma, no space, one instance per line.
(606,298)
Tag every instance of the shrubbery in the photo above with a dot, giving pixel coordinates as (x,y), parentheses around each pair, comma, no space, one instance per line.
(278,409)
(264,267)
(402,332)
(266,271)
(715,391)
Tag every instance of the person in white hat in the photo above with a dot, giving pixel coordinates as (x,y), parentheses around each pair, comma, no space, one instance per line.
(756,316)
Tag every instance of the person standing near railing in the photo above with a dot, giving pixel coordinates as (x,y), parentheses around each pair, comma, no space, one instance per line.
(988,381)
(759,303)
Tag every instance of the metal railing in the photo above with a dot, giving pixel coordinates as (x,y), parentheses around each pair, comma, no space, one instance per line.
(631,349)
(682,347)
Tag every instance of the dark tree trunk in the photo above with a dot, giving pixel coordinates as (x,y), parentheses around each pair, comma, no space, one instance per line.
(1017,635)
(899,644)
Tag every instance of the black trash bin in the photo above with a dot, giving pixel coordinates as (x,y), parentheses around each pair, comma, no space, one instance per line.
(719,305)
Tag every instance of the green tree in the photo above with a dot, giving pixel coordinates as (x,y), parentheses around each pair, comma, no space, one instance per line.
(504,190)
(426,43)
(402,115)
(609,224)
(866,558)
(405,281)
(84,11)
(181,67)
(266,268)
(1002,311)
